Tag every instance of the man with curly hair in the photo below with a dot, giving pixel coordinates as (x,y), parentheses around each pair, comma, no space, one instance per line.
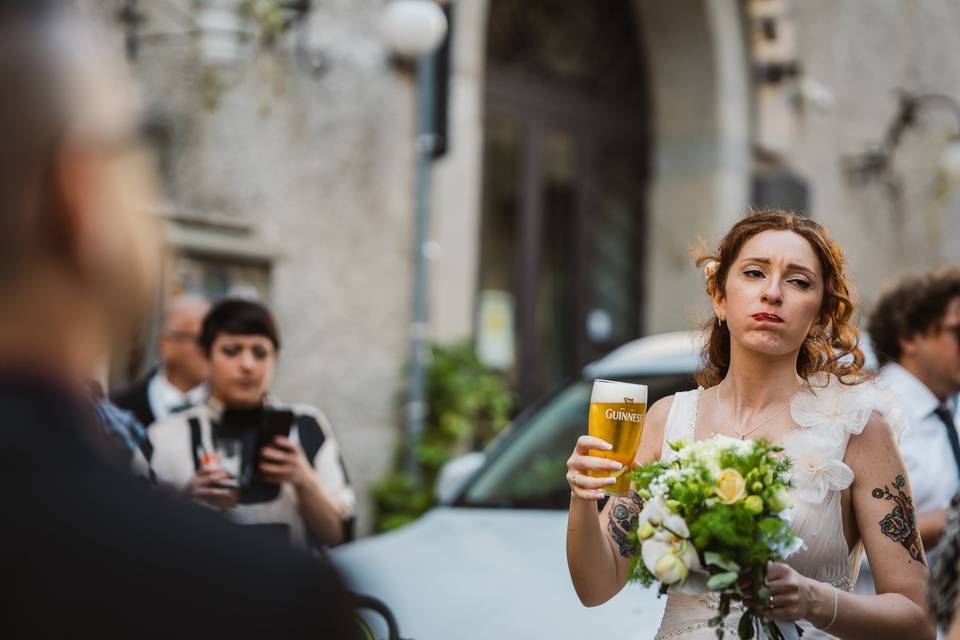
(915,328)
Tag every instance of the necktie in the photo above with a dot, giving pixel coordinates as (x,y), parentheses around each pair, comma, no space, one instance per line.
(947,418)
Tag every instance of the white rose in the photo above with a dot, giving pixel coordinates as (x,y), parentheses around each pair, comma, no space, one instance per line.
(689,555)
(657,513)
(669,558)
(670,569)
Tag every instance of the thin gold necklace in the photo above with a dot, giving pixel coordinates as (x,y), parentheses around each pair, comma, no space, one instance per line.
(743,435)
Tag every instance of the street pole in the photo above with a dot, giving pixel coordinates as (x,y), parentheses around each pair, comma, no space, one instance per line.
(419,325)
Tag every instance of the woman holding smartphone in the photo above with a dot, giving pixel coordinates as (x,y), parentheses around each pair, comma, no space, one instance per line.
(279,466)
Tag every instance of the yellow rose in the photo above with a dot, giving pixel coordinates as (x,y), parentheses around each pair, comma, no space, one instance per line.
(731,487)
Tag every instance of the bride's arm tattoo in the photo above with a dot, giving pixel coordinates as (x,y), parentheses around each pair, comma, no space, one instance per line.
(622,521)
(900,525)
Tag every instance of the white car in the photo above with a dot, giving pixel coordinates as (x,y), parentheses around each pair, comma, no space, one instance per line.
(489,562)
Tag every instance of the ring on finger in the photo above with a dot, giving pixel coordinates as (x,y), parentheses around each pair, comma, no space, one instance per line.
(770,602)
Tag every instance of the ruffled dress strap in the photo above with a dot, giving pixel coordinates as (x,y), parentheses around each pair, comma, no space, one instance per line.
(828,413)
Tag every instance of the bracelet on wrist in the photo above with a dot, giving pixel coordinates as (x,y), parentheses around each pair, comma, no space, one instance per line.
(836,609)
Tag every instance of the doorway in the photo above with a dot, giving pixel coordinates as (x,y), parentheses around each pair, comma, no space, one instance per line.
(565,172)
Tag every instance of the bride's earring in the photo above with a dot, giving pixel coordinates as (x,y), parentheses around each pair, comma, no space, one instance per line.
(719,322)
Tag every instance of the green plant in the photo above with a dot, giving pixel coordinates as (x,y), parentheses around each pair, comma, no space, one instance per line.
(270,21)
(268,16)
(467,407)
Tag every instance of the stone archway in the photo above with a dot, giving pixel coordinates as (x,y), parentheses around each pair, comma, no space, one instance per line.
(701,143)
(699,154)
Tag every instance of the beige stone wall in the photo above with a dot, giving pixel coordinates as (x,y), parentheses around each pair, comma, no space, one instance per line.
(322,172)
(863,50)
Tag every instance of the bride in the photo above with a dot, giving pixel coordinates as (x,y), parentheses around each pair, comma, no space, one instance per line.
(782,363)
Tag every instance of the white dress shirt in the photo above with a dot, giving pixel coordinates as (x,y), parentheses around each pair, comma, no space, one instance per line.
(934,476)
(164,397)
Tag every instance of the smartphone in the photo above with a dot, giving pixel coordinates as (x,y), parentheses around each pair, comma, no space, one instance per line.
(273,423)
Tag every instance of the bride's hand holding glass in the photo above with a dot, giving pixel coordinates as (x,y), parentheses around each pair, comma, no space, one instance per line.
(580,463)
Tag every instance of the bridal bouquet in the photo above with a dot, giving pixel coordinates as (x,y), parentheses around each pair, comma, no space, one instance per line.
(711,513)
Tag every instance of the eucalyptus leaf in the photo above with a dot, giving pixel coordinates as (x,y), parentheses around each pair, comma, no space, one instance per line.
(721,580)
(713,559)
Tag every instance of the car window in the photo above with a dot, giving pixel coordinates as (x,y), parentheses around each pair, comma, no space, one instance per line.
(529,471)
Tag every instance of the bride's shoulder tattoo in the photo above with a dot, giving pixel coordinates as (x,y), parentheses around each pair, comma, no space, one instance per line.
(900,525)
(622,521)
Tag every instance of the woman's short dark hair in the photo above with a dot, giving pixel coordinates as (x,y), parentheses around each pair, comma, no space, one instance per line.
(238,317)
(913,306)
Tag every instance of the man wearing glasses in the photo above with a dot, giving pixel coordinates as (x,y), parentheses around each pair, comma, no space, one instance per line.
(179,380)
(915,328)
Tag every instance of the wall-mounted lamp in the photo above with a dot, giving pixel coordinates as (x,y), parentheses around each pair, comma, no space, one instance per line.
(221,27)
(876,162)
(412,28)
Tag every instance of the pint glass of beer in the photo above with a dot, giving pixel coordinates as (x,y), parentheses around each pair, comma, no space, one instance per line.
(617,411)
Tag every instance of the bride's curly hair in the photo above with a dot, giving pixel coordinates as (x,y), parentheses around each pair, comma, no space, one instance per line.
(834,348)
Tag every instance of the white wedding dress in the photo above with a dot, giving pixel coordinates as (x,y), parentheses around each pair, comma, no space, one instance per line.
(826,416)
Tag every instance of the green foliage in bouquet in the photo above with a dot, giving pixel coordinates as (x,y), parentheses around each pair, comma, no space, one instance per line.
(468,406)
(714,509)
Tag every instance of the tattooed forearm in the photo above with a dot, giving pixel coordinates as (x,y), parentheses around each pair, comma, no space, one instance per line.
(622,524)
(900,525)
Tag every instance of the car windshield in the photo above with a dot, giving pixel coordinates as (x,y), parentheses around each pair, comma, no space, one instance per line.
(529,470)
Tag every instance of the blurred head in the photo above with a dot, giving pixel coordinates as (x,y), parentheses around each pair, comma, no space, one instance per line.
(75,185)
(184,362)
(917,323)
(240,340)
(778,287)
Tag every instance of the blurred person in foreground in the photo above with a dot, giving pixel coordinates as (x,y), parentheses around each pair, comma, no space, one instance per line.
(311,500)
(81,542)
(178,382)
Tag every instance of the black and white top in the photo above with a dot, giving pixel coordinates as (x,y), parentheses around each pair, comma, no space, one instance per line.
(174,463)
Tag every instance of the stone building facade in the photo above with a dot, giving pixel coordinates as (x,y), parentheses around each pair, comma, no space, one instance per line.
(298,181)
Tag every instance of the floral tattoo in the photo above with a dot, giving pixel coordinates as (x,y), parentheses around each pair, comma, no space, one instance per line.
(623,519)
(900,525)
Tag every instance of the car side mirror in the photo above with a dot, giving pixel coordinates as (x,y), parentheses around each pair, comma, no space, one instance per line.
(454,475)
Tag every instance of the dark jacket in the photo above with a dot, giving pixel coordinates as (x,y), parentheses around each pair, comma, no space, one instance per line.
(135,399)
(87,548)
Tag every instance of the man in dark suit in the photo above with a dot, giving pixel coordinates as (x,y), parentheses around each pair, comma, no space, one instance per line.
(178,382)
(83,546)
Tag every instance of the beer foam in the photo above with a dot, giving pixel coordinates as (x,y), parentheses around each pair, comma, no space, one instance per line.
(613,392)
